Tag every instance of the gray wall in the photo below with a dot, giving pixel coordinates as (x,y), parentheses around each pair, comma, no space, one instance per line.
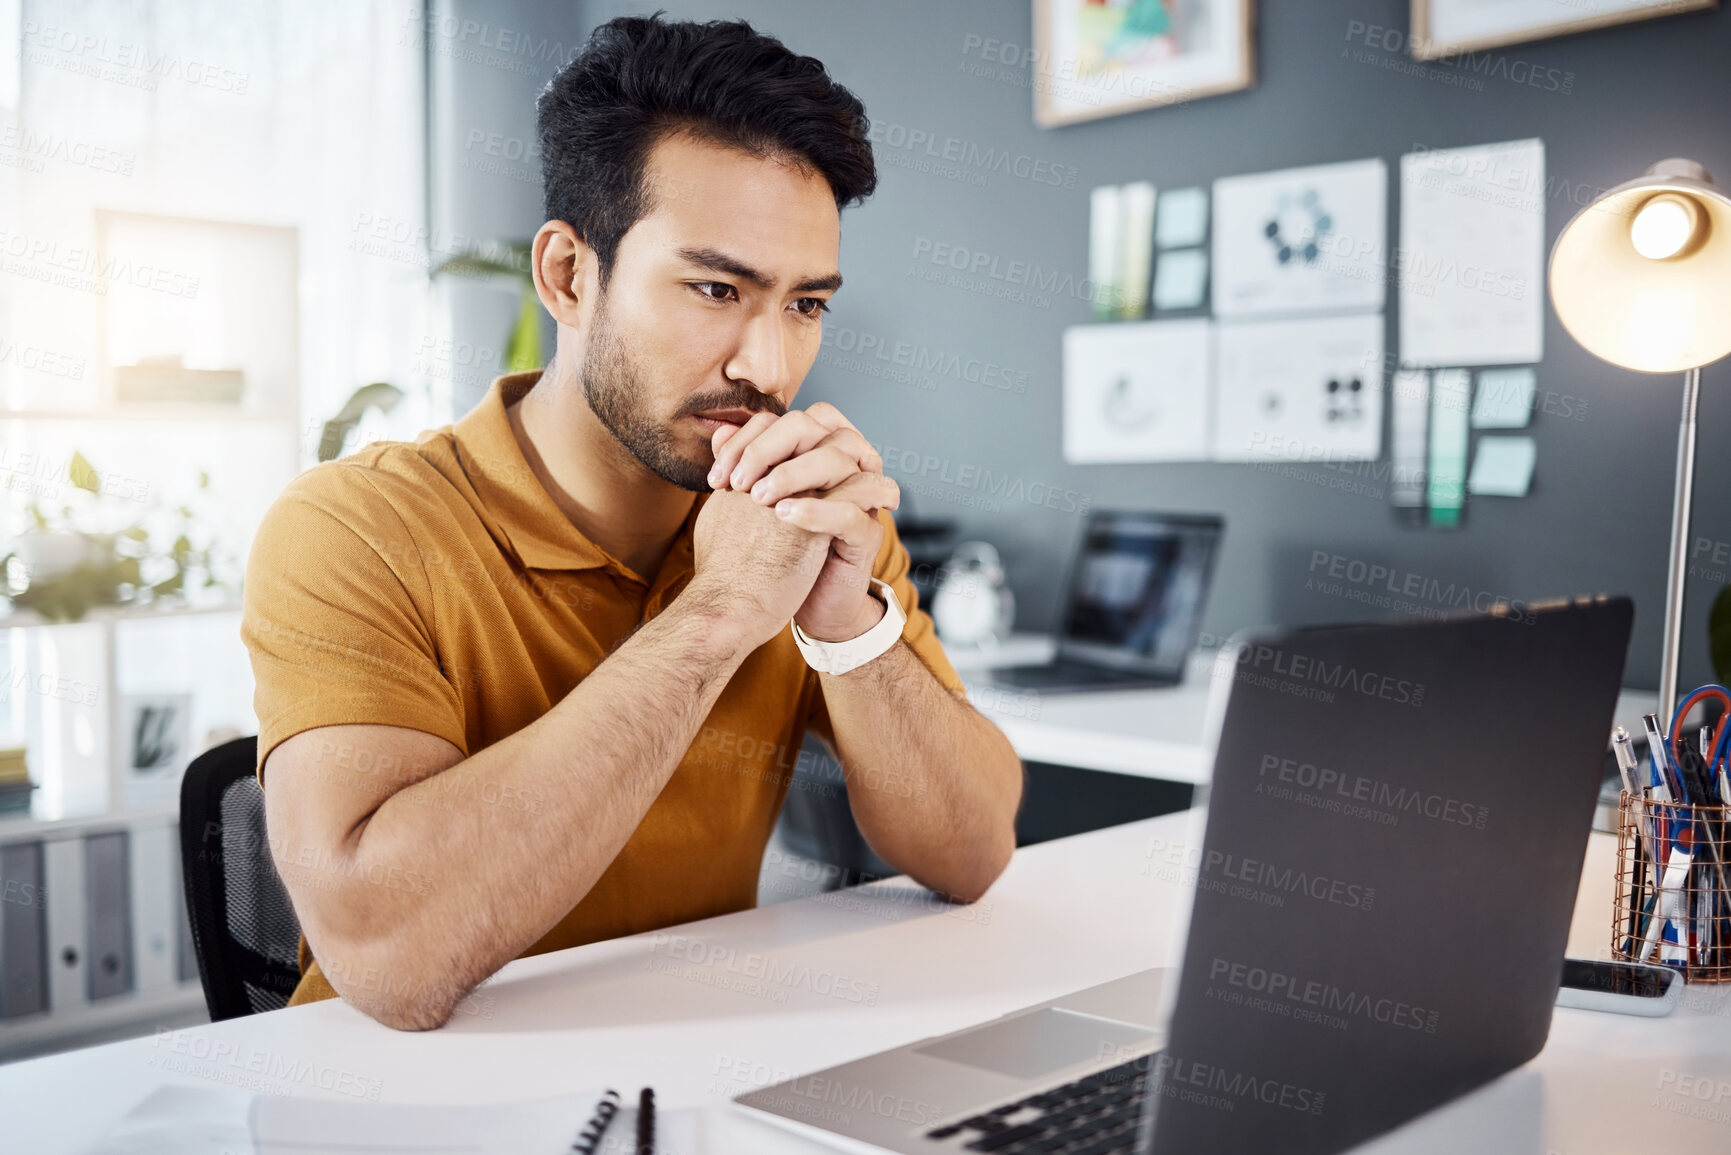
(1598,517)
(487,60)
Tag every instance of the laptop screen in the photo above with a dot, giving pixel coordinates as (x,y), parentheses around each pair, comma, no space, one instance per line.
(1137,591)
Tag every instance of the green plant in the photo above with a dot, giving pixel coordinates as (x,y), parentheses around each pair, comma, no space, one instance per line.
(510,260)
(380,395)
(137,562)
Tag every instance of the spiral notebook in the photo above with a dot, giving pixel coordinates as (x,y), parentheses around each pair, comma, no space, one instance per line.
(179,1120)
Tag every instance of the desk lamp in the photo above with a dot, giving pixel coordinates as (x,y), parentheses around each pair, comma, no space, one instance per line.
(1642,278)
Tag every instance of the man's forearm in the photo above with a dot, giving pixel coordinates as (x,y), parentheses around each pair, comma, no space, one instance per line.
(934,785)
(595,762)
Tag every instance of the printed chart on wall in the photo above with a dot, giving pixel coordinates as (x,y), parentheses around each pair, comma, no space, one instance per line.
(1137,392)
(1301,240)
(1472,242)
(1299,390)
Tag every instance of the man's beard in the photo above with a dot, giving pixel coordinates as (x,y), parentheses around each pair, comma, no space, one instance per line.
(616,393)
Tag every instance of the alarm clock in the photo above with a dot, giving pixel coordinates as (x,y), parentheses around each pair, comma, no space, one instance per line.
(974,605)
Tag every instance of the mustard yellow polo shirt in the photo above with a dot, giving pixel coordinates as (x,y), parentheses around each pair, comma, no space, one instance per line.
(436,585)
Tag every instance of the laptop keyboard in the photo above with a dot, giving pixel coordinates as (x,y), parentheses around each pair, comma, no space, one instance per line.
(1096,1115)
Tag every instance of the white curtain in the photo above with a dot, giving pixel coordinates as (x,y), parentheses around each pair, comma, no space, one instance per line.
(300,113)
(303,115)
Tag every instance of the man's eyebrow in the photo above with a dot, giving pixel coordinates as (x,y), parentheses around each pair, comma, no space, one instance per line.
(818,284)
(734,267)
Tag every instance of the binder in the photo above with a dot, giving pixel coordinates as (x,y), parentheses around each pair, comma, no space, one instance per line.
(23,931)
(155,934)
(107,906)
(63,882)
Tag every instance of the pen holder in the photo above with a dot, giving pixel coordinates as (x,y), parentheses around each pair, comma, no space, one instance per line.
(1672,902)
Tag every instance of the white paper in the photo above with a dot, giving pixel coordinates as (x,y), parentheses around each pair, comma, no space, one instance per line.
(1180,279)
(1503,467)
(1301,390)
(1409,411)
(1183,218)
(1302,240)
(1137,391)
(1472,251)
(1504,399)
(178,1120)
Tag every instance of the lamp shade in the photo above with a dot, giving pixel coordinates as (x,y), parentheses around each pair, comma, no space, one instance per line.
(1658,313)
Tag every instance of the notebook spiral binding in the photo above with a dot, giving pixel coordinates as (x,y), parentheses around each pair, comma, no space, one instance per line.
(589,1141)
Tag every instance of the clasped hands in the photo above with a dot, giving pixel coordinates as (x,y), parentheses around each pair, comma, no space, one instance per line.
(819,473)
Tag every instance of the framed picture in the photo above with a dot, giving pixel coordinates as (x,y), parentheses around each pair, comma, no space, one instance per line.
(1097,58)
(1446,27)
(157,745)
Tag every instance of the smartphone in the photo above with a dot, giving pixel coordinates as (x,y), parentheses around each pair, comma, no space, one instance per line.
(1621,988)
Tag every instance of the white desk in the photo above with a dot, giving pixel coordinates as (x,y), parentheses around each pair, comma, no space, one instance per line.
(1067,914)
(1154,733)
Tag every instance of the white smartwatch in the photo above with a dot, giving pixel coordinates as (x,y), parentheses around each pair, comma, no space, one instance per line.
(840,657)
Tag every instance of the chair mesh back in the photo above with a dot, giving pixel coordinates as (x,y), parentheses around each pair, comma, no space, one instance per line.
(255,905)
(243,925)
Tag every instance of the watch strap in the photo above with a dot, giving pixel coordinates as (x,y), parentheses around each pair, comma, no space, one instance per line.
(841,657)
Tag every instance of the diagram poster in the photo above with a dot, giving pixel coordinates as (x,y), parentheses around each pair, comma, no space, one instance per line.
(1299,390)
(1303,240)
(1137,392)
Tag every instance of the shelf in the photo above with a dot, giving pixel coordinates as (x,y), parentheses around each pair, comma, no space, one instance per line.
(151,413)
(23,828)
(59,1030)
(26,619)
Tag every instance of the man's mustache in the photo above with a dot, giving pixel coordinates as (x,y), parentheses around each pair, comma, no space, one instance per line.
(754,403)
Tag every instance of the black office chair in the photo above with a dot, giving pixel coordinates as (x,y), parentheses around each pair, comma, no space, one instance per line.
(817,821)
(244,929)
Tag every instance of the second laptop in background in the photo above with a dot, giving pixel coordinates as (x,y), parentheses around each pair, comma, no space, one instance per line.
(1133,608)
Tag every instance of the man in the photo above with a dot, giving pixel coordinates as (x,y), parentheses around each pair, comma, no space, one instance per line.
(533,680)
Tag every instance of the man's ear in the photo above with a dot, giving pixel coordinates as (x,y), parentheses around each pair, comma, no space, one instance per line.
(563,265)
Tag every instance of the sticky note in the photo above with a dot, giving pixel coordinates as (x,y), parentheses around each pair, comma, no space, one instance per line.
(1183,218)
(1504,399)
(1503,467)
(1181,279)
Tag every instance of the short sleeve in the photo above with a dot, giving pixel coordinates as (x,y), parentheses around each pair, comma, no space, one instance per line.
(919,633)
(333,616)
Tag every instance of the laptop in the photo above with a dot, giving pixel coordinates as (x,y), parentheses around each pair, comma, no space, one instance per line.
(1379,905)
(1133,607)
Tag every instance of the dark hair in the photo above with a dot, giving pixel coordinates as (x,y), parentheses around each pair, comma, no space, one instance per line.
(640,78)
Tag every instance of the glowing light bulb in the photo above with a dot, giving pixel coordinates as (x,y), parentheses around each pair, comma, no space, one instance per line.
(1664,226)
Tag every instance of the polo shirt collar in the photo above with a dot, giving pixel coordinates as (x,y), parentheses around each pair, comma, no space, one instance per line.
(535,529)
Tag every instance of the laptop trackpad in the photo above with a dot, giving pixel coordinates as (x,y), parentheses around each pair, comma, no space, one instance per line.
(1037,1044)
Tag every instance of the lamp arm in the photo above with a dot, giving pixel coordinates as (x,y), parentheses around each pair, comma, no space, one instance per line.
(1678,573)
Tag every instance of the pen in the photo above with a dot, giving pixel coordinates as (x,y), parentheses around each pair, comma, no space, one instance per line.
(1659,757)
(646,1122)
(1624,748)
(1658,749)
